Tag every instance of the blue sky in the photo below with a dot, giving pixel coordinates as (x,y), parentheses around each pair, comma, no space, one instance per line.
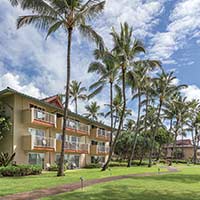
(169,29)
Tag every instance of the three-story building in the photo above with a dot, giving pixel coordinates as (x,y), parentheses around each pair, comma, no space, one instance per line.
(36,131)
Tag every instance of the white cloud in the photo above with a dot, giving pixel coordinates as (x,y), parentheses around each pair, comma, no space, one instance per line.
(191,92)
(13,81)
(184,24)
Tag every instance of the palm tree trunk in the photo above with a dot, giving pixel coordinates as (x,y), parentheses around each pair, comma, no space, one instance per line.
(120,121)
(174,143)
(76,106)
(145,128)
(195,145)
(136,131)
(62,154)
(168,139)
(154,134)
(111,115)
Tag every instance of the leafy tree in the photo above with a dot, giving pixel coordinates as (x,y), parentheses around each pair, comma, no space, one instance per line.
(108,72)
(93,111)
(76,92)
(125,50)
(5,123)
(51,15)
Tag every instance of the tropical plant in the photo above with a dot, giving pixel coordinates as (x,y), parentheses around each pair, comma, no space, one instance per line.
(76,92)
(52,15)
(5,123)
(108,72)
(125,50)
(93,111)
(6,159)
(136,78)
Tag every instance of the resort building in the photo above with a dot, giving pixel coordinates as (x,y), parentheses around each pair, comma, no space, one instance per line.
(184,149)
(36,130)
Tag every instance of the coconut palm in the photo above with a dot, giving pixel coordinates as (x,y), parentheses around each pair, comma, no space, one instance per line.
(76,92)
(125,50)
(164,89)
(52,15)
(107,71)
(136,78)
(93,111)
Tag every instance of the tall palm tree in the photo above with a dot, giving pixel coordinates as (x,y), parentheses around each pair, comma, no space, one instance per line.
(93,111)
(76,92)
(194,124)
(52,15)
(136,78)
(107,71)
(125,50)
(164,89)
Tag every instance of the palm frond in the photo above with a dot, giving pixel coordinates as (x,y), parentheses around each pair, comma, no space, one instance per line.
(89,32)
(54,28)
(40,21)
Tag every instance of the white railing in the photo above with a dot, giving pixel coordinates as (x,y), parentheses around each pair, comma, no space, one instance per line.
(40,141)
(43,116)
(102,149)
(76,146)
(103,133)
(77,125)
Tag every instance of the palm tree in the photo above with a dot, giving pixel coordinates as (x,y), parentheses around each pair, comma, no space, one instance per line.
(93,111)
(136,78)
(194,124)
(125,50)
(76,93)
(107,71)
(164,89)
(51,15)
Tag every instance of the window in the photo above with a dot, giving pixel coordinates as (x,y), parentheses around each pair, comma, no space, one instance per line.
(69,159)
(37,132)
(94,142)
(37,107)
(58,136)
(97,159)
(36,159)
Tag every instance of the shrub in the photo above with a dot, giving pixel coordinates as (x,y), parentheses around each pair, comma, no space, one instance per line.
(117,164)
(93,165)
(6,159)
(53,167)
(20,170)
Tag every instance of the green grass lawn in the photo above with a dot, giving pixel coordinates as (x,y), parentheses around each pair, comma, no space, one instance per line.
(13,185)
(184,185)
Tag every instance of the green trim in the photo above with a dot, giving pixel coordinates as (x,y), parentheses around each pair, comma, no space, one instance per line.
(59,110)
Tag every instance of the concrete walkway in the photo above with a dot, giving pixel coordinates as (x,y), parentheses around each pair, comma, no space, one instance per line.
(37,194)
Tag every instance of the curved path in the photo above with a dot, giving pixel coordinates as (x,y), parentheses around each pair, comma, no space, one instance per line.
(36,194)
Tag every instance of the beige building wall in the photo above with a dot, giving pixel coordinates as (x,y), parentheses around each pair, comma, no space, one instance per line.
(21,124)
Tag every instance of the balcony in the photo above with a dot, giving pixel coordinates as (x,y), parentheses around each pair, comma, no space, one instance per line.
(76,128)
(39,117)
(100,134)
(71,147)
(39,143)
(99,150)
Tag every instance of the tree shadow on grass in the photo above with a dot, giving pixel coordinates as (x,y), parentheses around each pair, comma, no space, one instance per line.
(124,192)
(180,178)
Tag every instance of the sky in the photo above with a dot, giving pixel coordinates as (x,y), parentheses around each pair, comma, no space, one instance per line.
(169,29)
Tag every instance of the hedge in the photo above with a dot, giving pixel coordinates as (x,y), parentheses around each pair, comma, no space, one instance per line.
(93,165)
(20,170)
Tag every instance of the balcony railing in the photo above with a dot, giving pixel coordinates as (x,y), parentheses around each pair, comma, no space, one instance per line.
(102,149)
(78,126)
(101,133)
(34,142)
(99,150)
(43,116)
(40,141)
(76,146)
